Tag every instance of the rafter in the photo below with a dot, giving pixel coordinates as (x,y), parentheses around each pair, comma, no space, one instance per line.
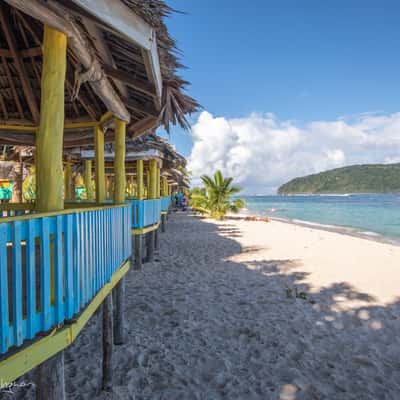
(142,108)
(125,77)
(138,128)
(19,65)
(12,86)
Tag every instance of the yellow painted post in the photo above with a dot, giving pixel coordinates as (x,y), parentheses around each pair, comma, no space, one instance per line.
(49,138)
(139,180)
(164,186)
(68,181)
(99,161)
(158,183)
(153,179)
(88,179)
(49,174)
(119,162)
(148,183)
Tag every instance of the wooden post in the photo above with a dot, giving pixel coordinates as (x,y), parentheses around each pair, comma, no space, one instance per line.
(99,159)
(148,183)
(138,239)
(119,162)
(152,190)
(150,246)
(49,173)
(158,183)
(119,198)
(88,179)
(156,243)
(139,180)
(107,342)
(153,179)
(163,222)
(19,172)
(49,138)
(119,315)
(138,243)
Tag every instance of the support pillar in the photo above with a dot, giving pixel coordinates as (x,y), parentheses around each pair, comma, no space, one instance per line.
(107,343)
(119,198)
(152,194)
(150,246)
(99,170)
(119,162)
(49,173)
(88,179)
(156,242)
(67,181)
(158,183)
(148,183)
(163,222)
(138,239)
(138,246)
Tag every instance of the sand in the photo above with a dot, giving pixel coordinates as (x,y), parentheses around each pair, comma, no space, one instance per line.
(216,316)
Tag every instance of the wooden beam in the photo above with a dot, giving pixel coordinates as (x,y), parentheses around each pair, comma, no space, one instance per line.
(127,78)
(141,108)
(138,128)
(12,86)
(104,51)
(3,106)
(19,65)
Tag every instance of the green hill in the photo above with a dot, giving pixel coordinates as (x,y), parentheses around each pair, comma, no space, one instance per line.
(368,178)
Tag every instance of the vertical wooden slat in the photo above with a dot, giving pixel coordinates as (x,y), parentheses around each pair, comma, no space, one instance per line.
(77,262)
(58,272)
(4,317)
(45,275)
(30,280)
(70,290)
(17,293)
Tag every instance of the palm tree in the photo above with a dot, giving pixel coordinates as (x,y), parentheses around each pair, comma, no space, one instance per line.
(215,198)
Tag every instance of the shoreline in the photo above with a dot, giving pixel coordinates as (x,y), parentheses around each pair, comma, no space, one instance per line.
(343,230)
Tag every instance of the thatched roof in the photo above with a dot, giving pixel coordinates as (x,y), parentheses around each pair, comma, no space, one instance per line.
(114,71)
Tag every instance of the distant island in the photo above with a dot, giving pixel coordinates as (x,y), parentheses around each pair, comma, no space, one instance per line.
(367,178)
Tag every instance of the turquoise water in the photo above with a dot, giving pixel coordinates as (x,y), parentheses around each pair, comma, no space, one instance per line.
(367,213)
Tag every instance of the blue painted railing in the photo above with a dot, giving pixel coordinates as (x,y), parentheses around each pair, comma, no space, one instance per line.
(51,267)
(165,203)
(145,213)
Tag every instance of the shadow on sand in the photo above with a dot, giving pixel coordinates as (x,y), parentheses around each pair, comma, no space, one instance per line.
(202,326)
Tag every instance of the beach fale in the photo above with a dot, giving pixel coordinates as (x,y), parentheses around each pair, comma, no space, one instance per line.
(83,83)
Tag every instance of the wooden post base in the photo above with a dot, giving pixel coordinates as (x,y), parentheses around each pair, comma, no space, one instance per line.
(156,241)
(150,246)
(163,222)
(138,253)
(51,385)
(119,321)
(107,343)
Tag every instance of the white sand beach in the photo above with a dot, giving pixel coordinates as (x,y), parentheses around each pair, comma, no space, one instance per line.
(210,318)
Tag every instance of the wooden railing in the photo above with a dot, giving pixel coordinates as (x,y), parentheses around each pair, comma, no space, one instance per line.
(165,203)
(15,209)
(52,265)
(147,212)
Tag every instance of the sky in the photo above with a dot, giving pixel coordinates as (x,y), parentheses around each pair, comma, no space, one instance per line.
(288,87)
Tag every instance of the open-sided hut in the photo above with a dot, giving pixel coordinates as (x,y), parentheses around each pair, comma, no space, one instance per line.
(76,73)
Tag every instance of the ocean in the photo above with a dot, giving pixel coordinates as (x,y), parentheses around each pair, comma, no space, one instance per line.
(368,214)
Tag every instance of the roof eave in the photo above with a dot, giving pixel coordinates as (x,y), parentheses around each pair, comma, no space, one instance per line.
(122,19)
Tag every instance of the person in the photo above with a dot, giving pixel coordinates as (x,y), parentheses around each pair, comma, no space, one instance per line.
(184,202)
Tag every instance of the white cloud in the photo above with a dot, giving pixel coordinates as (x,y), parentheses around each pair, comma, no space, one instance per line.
(261,152)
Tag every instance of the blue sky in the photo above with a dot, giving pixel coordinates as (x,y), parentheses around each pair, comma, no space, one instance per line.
(303,61)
